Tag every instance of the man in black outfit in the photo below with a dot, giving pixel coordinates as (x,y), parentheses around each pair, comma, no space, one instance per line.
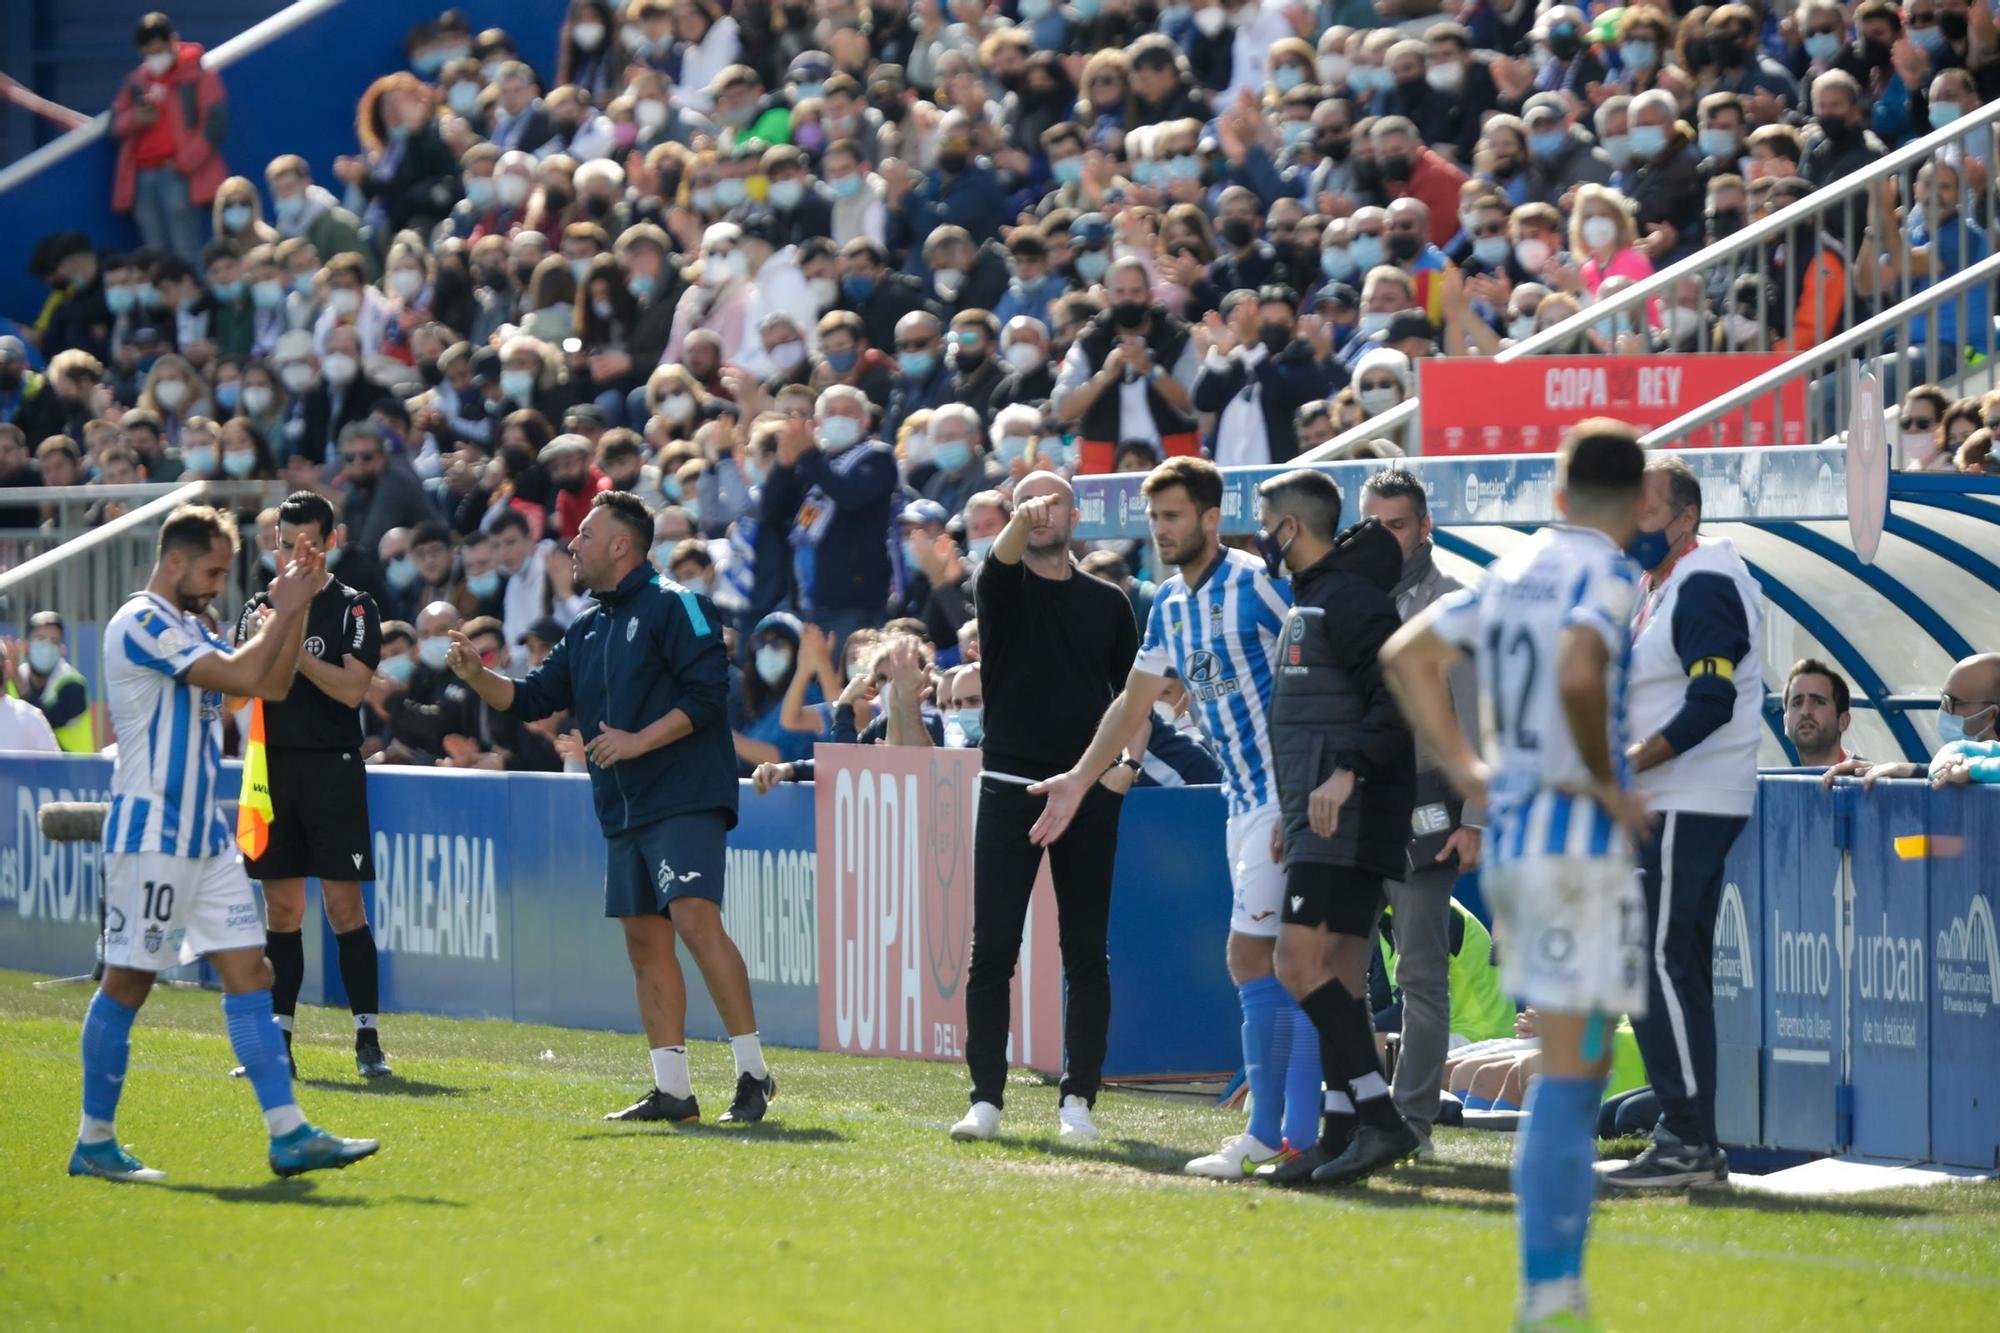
(1055,648)
(319,787)
(1346,768)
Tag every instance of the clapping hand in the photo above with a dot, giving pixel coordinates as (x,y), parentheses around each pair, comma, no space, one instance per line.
(295,585)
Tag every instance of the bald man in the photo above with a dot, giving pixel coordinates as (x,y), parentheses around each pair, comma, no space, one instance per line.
(1968,710)
(1056,645)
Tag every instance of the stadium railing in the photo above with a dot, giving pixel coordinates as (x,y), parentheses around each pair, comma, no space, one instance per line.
(1715,268)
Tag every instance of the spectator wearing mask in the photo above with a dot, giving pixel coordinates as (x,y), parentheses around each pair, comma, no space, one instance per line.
(777,287)
(1412,171)
(925,374)
(1247,261)
(878,293)
(845,357)
(976,372)
(380,493)
(310,212)
(1968,727)
(28,398)
(801,206)
(1030,370)
(434,704)
(1664,181)
(1033,282)
(405,173)
(577,480)
(857,193)
(963,466)
(718,300)
(170,117)
(1817,713)
(756,707)
(1933,241)
(963,191)
(907,713)
(1603,231)
(832,490)
(1842,145)
(1127,375)
(40,673)
(1256,373)
(1561,155)
(1735,40)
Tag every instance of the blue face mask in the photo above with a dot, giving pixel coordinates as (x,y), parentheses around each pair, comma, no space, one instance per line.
(838,433)
(971,724)
(1337,264)
(398,669)
(483,585)
(1491,251)
(229,394)
(267,295)
(1547,143)
(1149,173)
(857,287)
(1648,141)
(1087,8)
(1052,454)
(916,364)
(1287,77)
(1639,55)
(1952,727)
(1650,549)
(731,191)
(1367,252)
(1172,16)
(1068,171)
(118,300)
(401,572)
(1618,147)
(1931,40)
(228,291)
(290,210)
(1824,46)
(1717,143)
(1091,265)
(848,186)
(236,217)
(786,194)
(640,285)
(1944,113)
(1184,167)
(953,456)
(773,664)
(1294,132)
(842,362)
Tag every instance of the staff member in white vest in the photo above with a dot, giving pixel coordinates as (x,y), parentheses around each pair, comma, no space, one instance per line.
(1697,692)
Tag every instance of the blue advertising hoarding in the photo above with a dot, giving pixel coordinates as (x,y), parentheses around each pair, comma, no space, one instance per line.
(1803,1019)
(1889,977)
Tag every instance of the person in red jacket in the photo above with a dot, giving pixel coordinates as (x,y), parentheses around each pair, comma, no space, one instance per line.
(1412,171)
(577,481)
(169,119)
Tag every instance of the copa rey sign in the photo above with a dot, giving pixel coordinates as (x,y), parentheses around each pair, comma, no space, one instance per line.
(895,911)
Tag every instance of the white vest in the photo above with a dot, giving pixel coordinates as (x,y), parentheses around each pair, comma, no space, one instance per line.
(1718,776)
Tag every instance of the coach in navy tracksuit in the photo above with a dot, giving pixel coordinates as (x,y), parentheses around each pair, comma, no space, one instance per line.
(1695,683)
(646,676)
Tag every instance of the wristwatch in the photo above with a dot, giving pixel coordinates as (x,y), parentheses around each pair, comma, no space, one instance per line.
(1128,762)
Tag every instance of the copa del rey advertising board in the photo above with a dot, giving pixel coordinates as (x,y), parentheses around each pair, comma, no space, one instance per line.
(895,911)
(1474,405)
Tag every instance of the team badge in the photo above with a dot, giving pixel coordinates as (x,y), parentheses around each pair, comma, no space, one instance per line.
(315,645)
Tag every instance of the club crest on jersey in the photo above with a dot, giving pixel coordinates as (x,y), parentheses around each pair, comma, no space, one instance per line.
(315,645)
(153,938)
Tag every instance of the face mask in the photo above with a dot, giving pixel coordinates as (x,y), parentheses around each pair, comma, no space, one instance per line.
(1649,549)
(297,375)
(677,407)
(256,399)
(971,724)
(148,294)
(344,302)
(1128,315)
(483,585)
(1091,265)
(43,656)
(1531,254)
(1521,327)
(1446,78)
(291,210)
(1717,143)
(171,392)
(302,285)
(579,269)
(953,455)
(398,669)
(1337,263)
(201,459)
(1823,46)
(407,282)
(1372,322)
(1397,168)
(463,97)
(1618,147)
(1068,171)
(1599,232)
(1648,141)
(236,217)
(118,300)
(1011,447)
(718,269)
(916,365)
(267,295)
(838,433)
(1367,252)
(159,63)
(773,664)
(1238,232)
(1930,40)
(512,190)
(587,36)
(1377,401)
(1333,70)
(949,282)
(1564,42)
(1273,552)
(731,191)
(1742,331)
(340,368)
(269,561)
(786,193)
(1405,246)
(1024,357)
(1548,143)
(1944,113)
(1490,250)
(1639,55)
(1287,77)
(1951,727)
(1211,20)
(433,649)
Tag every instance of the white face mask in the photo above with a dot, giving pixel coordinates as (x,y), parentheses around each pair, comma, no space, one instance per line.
(587,36)
(825,291)
(677,406)
(1446,78)
(407,282)
(1599,232)
(651,113)
(1025,356)
(344,301)
(718,269)
(298,376)
(1211,20)
(256,399)
(1531,254)
(1377,401)
(340,368)
(511,190)
(172,393)
(160,62)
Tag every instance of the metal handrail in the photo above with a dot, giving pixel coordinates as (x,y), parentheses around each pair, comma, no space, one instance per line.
(1743,395)
(1393,423)
(151,512)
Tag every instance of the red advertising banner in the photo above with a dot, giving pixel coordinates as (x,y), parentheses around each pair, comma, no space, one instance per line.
(895,911)
(1473,405)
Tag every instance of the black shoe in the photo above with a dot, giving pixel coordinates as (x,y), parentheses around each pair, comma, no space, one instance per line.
(656,1105)
(1669,1165)
(369,1062)
(1296,1169)
(753,1098)
(1374,1148)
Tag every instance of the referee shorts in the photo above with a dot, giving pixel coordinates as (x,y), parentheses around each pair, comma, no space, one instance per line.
(319,818)
(1341,899)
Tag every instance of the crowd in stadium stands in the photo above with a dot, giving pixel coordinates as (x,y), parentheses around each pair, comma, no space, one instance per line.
(820,283)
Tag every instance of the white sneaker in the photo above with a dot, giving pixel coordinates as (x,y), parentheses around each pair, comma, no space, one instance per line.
(981,1122)
(1077,1126)
(1236,1159)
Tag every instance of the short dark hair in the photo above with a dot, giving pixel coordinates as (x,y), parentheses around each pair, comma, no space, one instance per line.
(196,528)
(509,519)
(630,512)
(429,532)
(153,27)
(691,548)
(303,507)
(1313,498)
(1683,487)
(1399,484)
(1812,666)
(1201,479)
(1601,462)
(394,631)
(46,620)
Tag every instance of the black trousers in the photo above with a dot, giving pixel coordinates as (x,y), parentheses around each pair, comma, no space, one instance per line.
(1681,869)
(1004,866)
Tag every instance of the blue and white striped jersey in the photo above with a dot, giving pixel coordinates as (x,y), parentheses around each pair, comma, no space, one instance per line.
(163,789)
(1512,624)
(1220,639)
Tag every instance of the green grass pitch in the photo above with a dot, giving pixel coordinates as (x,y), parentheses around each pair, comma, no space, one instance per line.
(501,1200)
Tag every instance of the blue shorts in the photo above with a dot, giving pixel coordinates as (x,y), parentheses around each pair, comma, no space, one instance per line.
(680,856)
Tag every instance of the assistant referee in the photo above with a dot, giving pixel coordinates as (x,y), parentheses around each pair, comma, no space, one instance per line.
(319,788)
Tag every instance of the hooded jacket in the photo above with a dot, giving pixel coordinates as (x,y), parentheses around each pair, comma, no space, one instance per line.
(1331,708)
(195,109)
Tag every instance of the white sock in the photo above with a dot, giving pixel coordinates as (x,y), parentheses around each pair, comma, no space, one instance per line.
(284,1022)
(749,1052)
(670,1071)
(282,1120)
(1369,1086)
(364,1021)
(93,1130)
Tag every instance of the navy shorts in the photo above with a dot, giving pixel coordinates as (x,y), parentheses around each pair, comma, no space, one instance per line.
(680,856)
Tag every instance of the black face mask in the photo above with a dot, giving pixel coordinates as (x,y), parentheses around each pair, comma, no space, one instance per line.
(558,200)
(430,374)
(1367,173)
(1700,51)
(1397,168)
(1411,87)
(596,207)
(1729,55)
(1953,26)
(1564,43)
(969,359)
(1836,130)
(890,107)
(1128,314)
(10,380)
(494,275)
(1275,337)
(1334,147)
(1875,53)
(1404,246)
(570,485)
(1238,232)
(1725,222)
(952,163)
(524,273)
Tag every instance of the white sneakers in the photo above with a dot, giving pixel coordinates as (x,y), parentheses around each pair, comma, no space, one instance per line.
(981,1122)
(1236,1159)
(1077,1126)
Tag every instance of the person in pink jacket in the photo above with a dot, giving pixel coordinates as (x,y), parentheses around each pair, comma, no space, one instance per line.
(720,300)
(169,119)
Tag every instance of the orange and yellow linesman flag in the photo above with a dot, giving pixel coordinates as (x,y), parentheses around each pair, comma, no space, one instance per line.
(253,806)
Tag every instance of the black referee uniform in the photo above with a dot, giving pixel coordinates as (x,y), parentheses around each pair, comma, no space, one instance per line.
(319,796)
(1053,655)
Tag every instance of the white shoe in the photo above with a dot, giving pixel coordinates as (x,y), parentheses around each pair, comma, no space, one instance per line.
(1236,1159)
(1077,1126)
(981,1122)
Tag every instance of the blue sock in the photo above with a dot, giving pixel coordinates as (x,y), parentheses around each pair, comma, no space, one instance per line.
(1474,1102)
(260,1049)
(1553,1178)
(107,1049)
(1302,1076)
(1262,1065)
(1502,1104)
